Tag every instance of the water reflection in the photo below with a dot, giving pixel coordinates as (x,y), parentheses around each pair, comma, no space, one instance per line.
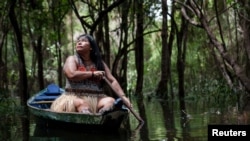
(164,120)
(25,125)
(187,120)
(73,135)
(43,132)
(135,133)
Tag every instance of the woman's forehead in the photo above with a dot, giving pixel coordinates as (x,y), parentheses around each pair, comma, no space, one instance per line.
(82,37)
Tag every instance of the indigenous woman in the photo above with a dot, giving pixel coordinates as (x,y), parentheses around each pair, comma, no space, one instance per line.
(84,81)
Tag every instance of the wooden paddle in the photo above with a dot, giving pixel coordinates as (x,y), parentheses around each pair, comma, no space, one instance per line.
(128,106)
(42,102)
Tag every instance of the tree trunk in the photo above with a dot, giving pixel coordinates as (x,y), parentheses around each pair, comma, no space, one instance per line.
(3,66)
(59,58)
(245,25)
(22,67)
(239,70)
(124,38)
(229,58)
(4,29)
(162,90)
(106,43)
(139,44)
(39,54)
(181,53)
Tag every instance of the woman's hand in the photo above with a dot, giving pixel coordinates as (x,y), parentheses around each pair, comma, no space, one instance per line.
(126,101)
(98,74)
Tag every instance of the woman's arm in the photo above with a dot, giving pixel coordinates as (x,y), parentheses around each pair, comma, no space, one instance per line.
(116,86)
(71,72)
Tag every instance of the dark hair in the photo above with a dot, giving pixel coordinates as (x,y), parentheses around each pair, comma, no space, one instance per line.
(95,54)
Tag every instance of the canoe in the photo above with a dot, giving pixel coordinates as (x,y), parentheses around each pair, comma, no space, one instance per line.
(39,107)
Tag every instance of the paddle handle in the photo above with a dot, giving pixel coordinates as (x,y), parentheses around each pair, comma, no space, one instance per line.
(128,106)
(42,102)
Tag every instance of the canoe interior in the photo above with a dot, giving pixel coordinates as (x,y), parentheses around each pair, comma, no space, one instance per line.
(39,107)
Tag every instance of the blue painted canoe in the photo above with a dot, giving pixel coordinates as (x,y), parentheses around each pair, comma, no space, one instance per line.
(39,106)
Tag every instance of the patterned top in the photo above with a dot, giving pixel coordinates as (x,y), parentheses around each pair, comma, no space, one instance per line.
(90,86)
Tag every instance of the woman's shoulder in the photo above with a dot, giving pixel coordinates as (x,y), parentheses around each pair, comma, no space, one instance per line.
(71,57)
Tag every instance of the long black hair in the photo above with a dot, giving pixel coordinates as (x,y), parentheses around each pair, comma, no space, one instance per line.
(95,54)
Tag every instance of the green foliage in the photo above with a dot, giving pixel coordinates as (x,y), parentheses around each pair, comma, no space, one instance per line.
(8,104)
(56,24)
(10,116)
(152,59)
(212,90)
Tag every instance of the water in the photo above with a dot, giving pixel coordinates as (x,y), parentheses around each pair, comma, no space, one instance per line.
(164,121)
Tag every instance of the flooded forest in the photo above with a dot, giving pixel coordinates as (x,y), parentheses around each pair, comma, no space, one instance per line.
(184,64)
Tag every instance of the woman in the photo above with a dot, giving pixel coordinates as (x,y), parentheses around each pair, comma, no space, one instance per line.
(84,80)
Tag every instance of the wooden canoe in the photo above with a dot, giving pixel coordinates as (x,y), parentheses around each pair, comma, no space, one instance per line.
(39,106)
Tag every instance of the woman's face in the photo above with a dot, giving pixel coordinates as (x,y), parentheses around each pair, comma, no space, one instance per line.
(83,45)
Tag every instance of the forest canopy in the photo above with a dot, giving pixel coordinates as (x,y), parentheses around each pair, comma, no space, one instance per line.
(163,48)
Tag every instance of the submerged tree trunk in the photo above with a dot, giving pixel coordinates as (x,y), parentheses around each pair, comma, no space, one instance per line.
(162,90)
(181,56)
(139,45)
(167,41)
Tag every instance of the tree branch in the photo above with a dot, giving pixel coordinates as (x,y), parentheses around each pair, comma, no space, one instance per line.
(102,14)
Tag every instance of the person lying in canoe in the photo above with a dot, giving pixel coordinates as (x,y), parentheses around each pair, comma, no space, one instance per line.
(84,73)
